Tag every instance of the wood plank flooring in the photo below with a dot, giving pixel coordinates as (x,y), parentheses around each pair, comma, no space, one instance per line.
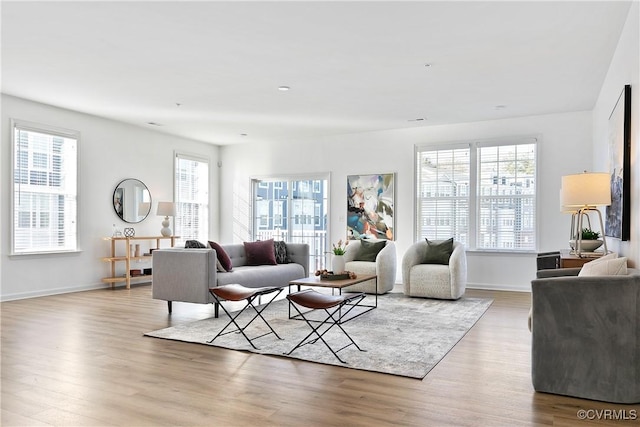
(80,360)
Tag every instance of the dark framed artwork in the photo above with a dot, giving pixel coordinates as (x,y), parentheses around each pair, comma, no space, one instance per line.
(618,214)
(370,206)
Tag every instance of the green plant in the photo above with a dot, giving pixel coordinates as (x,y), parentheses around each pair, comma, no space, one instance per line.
(339,249)
(588,234)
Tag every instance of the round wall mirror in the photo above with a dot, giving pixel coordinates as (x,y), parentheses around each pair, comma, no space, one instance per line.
(132,200)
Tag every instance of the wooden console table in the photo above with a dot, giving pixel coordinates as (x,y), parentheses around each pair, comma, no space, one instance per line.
(568,260)
(128,257)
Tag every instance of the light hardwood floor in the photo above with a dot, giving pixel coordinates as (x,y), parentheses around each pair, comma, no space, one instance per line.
(80,359)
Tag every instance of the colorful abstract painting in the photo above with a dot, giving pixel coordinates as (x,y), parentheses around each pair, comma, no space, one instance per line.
(370,206)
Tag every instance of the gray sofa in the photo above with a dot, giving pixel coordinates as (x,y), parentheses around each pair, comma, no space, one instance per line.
(186,275)
(586,335)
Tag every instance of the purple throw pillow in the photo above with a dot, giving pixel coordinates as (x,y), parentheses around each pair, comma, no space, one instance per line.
(260,253)
(223,257)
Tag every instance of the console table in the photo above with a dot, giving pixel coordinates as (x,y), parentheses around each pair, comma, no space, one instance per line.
(127,257)
(568,260)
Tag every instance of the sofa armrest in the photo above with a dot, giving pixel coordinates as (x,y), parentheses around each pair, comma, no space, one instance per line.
(386,263)
(557,272)
(413,256)
(184,274)
(458,266)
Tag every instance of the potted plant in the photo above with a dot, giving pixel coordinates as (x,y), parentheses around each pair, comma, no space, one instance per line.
(589,240)
(338,256)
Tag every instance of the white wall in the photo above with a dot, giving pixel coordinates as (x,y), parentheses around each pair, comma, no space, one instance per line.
(565,147)
(109,151)
(624,69)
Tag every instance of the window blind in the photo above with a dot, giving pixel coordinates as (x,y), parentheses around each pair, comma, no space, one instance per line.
(191,198)
(482,194)
(45,186)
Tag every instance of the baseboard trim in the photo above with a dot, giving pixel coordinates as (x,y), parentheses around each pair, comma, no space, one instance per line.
(499,287)
(59,291)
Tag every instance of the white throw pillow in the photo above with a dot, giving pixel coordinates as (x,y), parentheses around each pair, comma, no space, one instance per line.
(605,266)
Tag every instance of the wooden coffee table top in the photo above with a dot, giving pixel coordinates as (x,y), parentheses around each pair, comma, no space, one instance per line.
(316,281)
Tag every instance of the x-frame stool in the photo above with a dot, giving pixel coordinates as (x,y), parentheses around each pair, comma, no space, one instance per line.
(235,292)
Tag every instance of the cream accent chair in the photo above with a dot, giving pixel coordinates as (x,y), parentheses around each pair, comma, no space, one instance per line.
(434,280)
(384,267)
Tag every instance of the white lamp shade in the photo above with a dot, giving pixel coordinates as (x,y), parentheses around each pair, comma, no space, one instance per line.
(166,209)
(585,189)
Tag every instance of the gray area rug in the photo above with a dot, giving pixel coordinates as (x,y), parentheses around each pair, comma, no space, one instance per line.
(403,336)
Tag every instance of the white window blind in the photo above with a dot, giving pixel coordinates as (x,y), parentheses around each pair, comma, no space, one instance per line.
(45,187)
(192,198)
(506,197)
(481,194)
(443,184)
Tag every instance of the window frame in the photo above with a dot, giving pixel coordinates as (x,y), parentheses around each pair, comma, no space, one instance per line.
(474,217)
(18,124)
(289,215)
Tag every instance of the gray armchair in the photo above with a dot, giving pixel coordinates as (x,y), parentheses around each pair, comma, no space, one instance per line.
(385,267)
(586,335)
(434,280)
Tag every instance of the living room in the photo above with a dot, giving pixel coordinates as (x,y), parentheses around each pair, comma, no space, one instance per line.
(569,142)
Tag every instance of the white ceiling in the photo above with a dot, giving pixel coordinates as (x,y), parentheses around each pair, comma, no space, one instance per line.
(351,66)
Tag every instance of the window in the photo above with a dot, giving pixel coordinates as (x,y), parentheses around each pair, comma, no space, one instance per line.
(482,194)
(293,213)
(45,189)
(192,198)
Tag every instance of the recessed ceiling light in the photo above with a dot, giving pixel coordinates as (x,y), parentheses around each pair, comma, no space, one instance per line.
(284,88)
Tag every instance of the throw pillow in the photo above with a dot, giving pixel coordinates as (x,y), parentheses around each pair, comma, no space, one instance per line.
(260,252)
(369,250)
(438,252)
(280,250)
(193,244)
(604,266)
(223,257)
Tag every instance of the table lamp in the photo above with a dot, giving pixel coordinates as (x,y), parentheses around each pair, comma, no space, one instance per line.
(583,193)
(166,209)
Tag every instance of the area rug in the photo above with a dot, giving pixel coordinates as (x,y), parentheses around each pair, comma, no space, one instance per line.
(403,336)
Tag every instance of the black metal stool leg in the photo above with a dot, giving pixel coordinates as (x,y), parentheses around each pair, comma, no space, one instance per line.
(330,321)
(232,319)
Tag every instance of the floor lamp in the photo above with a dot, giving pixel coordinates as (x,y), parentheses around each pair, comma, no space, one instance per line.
(581,194)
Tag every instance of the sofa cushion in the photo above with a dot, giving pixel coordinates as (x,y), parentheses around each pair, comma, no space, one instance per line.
(605,266)
(280,249)
(223,257)
(260,252)
(438,252)
(368,251)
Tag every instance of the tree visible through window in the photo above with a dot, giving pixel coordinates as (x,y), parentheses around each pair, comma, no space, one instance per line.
(45,185)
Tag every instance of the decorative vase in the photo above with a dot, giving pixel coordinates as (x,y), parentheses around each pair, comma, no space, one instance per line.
(586,245)
(337,264)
